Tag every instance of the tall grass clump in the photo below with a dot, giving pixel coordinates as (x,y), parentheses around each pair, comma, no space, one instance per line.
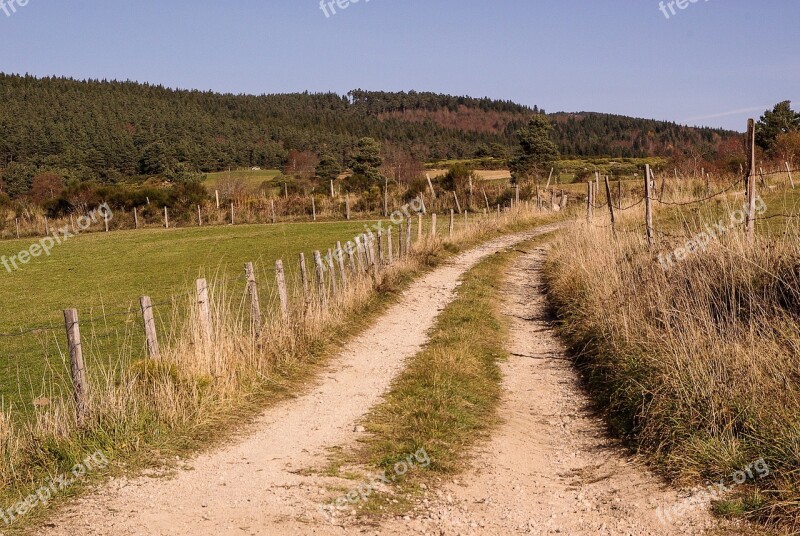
(696,363)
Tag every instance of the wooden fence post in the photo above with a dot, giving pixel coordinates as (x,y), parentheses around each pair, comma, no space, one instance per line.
(320,272)
(386,197)
(340,260)
(458,205)
(389,250)
(149,327)
(589,202)
(283,294)
(272,208)
(304,278)
(77,367)
(332,271)
(204,309)
(516,193)
(233,220)
(433,226)
(381,255)
(252,292)
(351,259)
(216,194)
(789,171)
(430,185)
(135,219)
(313,208)
(166,218)
(16,221)
(199,217)
(452,222)
(408,237)
(648,206)
(610,205)
(347,206)
(751,178)
(419,227)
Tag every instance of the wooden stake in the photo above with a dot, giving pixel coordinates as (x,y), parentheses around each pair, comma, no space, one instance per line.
(419,227)
(320,272)
(135,219)
(272,208)
(458,205)
(433,226)
(430,185)
(304,278)
(252,292)
(340,260)
(216,194)
(166,218)
(610,206)
(313,209)
(389,249)
(385,197)
(789,171)
(332,271)
(751,178)
(16,221)
(347,206)
(204,309)
(283,294)
(199,217)
(149,327)
(408,237)
(648,206)
(381,256)
(233,220)
(77,367)
(452,223)
(486,199)
(589,201)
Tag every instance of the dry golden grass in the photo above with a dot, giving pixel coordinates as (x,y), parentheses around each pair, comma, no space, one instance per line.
(698,364)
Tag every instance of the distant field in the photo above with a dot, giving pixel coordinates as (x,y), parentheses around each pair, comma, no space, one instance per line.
(252,179)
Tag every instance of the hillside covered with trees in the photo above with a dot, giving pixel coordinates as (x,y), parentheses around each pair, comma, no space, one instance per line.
(109,131)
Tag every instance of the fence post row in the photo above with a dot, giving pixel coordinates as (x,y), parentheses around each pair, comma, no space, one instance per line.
(77,367)
(149,327)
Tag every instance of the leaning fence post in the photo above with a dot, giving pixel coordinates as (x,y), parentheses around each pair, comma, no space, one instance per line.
(149,327)
(458,205)
(283,295)
(204,308)
(77,367)
(252,291)
(789,171)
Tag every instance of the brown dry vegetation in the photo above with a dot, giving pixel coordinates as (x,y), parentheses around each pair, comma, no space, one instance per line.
(698,365)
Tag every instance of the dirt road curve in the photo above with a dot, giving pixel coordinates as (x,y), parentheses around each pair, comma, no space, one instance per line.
(548,469)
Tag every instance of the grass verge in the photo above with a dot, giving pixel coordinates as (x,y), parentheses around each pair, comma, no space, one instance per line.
(446,399)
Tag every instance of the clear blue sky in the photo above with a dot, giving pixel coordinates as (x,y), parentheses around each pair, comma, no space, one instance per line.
(704,65)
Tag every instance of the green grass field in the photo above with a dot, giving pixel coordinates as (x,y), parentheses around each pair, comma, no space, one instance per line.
(103,275)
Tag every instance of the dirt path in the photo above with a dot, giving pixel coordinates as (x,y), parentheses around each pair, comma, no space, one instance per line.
(549,468)
(257,485)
